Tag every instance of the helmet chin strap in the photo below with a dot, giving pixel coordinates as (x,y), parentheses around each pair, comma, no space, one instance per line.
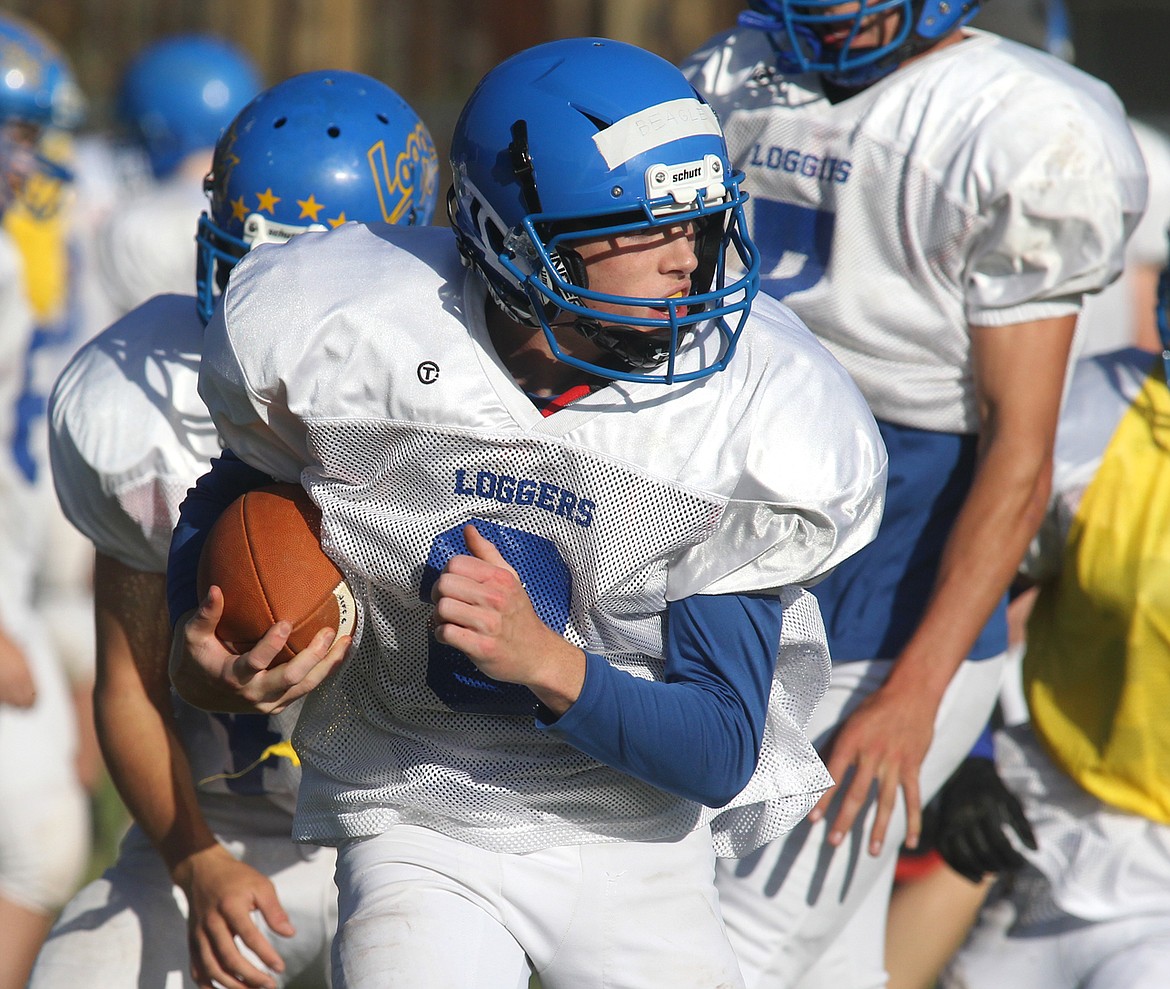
(636,350)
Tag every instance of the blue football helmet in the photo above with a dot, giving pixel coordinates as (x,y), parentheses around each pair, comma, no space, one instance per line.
(37,93)
(179,94)
(585,138)
(798,27)
(311,153)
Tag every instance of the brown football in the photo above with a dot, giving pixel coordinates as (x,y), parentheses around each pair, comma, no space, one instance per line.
(264,552)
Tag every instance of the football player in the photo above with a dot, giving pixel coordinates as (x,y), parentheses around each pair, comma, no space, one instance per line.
(1090,909)
(44,822)
(934,202)
(209,863)
(577,474)
(176,98)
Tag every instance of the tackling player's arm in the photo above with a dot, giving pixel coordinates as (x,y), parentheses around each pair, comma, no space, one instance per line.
(1019,372)
(136,728)
(204,672)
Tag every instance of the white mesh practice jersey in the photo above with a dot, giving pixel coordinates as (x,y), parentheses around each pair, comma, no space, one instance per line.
(984,184)
(382,393)
(129,436)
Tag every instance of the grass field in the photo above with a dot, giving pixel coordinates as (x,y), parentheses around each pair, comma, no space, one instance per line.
(109,821)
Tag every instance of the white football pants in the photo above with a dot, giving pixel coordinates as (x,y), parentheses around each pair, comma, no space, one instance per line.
(804,915)
(418,908)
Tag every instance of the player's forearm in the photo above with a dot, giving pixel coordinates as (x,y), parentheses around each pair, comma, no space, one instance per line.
(696,733)
(133,713)
(149,769)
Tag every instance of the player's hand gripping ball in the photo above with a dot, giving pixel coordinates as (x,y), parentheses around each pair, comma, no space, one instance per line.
(264,552)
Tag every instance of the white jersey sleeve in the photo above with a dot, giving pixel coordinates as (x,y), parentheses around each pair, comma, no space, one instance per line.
(1109,319)
(790,520)
(985,184)
(399,418)
(128,432)
(129,437)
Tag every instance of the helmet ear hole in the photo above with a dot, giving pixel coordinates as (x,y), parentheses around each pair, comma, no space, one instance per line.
(491,231)
(570,265)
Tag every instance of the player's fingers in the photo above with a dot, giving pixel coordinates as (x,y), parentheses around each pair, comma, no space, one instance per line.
(856,793)
(482,616)
(458,636)
(839,763)
(315,673)
(1019,822)
(205,618)
(912,794)
(260,656)
(463,583)
(216,961)
(481,650)
(253,938)
(484,549)
(275,916)
(231,965)
(887,798)
(1002,852)
(821,807)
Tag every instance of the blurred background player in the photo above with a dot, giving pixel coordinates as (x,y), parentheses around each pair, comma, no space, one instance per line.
(175,100)
(916,202)
(212,795)
(44,823)
(1091,910)
(40,223)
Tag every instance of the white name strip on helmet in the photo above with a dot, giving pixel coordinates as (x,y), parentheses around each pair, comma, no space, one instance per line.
(660,124)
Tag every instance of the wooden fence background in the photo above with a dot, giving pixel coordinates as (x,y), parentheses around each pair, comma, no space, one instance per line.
(434,51)
(431,51)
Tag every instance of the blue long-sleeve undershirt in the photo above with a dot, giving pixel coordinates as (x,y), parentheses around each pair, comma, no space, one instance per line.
(228,478)
(696,733)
